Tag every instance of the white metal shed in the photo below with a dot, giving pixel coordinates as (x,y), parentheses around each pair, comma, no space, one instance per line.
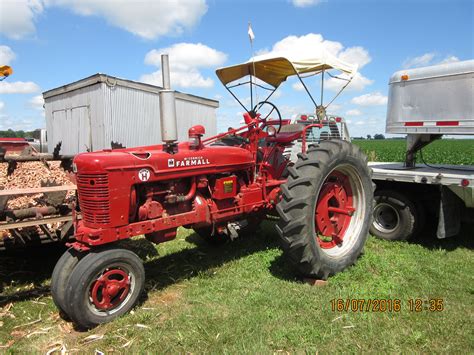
(93,112)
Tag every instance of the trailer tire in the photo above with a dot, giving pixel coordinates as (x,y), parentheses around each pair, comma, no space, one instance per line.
(329,191)
(395,216)
(61,273)
(104,285)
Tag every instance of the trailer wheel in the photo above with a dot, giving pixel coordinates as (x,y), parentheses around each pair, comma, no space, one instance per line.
(104,285)
(61,273)
(326,208)
(395,216)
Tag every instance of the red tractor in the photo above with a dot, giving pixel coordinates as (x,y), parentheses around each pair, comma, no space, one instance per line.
(216,186)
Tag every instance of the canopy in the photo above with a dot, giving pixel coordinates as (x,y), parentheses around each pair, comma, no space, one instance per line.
(275,70)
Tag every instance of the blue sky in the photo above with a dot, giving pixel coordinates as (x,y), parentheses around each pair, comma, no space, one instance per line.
(50,43)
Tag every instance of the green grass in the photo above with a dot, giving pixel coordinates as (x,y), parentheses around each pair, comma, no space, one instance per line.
(244,297)
(444,151)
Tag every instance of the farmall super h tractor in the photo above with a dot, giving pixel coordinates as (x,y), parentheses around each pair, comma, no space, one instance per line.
(218,186)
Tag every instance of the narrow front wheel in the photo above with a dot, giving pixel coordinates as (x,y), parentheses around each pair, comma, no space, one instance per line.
(59,279)
(104,285)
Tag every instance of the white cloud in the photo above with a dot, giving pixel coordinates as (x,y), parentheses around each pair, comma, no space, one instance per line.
(6,55)
(298,86)
(21,123)
(360,123)
(146,19)
(186,59)
(372,99)
(428,59)
(37,102)
(2,105)
(189,79)
(420,61)
(449,59)
(358,82)
(334,107)
(358,55)
(18,17)
(305,3)
(18,87)
(187,55)
(354,112)
(313,45)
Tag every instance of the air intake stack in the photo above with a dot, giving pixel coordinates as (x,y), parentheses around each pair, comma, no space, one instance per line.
(169,133)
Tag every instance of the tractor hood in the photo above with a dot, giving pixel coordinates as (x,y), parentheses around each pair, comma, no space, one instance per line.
(161,164)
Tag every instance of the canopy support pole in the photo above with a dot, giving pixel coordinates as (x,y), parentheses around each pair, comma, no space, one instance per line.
(322,87)
(307,91)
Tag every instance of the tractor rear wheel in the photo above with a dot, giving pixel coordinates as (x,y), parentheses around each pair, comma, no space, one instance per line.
(104,285)
(61,273)
(326,208)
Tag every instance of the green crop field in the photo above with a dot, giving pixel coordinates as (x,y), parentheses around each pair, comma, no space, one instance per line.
(445,151)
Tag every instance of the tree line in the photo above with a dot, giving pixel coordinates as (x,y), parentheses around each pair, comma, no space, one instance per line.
(18,134)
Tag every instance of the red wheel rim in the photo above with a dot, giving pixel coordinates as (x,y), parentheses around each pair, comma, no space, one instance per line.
(334,210)
(110,289)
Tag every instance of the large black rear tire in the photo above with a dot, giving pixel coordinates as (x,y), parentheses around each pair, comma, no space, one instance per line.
(326,208)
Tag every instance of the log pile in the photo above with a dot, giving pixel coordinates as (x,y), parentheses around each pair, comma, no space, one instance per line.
(30,175)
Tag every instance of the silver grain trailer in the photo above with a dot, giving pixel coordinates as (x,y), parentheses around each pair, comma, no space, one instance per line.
(91,113)
(425,104)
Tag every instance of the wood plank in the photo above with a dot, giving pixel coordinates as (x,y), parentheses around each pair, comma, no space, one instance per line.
(37,190)
(35,222)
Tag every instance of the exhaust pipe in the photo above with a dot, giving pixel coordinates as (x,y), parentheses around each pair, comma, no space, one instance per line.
(169,131)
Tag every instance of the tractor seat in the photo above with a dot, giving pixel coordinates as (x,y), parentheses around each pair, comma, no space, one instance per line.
(288,133)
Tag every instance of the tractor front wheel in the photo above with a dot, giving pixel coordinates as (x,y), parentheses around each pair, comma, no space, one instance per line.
(104,285)
(326,207)
(61,273)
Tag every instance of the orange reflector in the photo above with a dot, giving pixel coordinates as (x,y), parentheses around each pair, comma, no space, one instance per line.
(404,77)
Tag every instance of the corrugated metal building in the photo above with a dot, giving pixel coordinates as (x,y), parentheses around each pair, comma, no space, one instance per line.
(93,112)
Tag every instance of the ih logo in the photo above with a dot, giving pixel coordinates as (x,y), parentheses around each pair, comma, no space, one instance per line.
(144,175)
(170,163)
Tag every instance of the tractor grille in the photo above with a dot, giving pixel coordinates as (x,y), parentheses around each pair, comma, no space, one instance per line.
(94,197)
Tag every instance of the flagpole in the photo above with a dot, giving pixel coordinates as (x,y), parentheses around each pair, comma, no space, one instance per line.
(252,37)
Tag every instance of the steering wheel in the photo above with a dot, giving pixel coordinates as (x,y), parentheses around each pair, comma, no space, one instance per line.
(260,104)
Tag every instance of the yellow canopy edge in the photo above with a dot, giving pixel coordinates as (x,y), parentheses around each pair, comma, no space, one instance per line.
(276,70)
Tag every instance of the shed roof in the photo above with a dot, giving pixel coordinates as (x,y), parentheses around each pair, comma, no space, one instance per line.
(113,81)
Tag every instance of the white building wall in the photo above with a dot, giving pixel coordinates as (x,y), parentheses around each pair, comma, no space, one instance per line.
(90,114)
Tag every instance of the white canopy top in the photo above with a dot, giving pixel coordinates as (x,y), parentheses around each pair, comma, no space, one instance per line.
(275,70)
